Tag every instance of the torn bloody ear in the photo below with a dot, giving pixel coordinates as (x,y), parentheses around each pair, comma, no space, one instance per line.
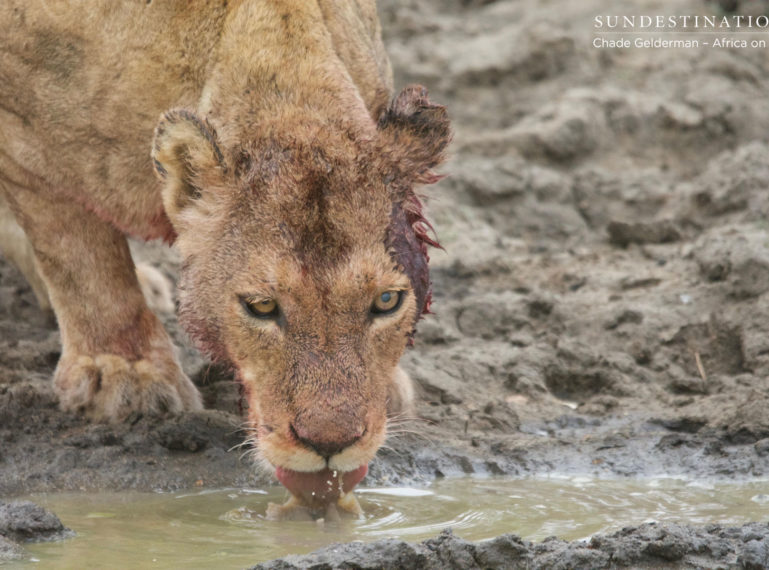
(415,133)
(187,158)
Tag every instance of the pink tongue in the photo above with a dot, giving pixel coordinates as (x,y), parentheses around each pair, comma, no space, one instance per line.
(320,486)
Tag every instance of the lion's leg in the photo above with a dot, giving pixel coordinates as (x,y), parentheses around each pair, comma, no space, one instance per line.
(17,249)
(116,357)
(400,400)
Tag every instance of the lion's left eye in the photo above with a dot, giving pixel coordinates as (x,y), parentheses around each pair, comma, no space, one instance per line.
(260,308)
(387,302)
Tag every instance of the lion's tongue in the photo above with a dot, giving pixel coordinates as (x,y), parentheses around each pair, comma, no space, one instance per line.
(321,486)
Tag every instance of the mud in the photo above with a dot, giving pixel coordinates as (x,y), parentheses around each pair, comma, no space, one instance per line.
(602,305)
(23,521)
(647,546)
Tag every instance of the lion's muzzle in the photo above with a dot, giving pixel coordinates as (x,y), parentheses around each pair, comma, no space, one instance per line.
(328,430)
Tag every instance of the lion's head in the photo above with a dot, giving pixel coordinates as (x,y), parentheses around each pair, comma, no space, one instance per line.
(305,266)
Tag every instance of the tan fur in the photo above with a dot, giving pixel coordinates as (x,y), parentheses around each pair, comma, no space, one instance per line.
(15,247)
(156,288)
(279,169)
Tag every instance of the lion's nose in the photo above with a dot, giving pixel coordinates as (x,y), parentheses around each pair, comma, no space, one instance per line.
(325,442)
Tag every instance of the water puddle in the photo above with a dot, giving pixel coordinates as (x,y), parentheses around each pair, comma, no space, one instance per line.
(225,528)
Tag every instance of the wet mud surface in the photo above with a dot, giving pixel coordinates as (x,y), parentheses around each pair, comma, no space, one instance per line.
(602,306)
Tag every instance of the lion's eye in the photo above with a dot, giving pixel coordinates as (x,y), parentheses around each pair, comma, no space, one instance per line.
(260,308)
(387,302)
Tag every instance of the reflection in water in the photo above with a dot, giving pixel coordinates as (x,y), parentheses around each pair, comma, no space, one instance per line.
(226,528)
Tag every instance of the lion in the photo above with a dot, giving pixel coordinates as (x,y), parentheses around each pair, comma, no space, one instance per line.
(262,139)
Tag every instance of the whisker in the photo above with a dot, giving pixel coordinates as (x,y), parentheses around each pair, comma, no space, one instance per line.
(244,426)
(404,417)
(423,437)
(252,454)
(402,428)
(239,445)
(250,447)
(399,454)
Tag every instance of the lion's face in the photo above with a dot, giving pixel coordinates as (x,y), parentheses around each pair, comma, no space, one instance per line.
(318,352)
(303,267)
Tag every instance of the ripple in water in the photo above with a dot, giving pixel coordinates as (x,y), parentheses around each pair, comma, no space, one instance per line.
(227,529)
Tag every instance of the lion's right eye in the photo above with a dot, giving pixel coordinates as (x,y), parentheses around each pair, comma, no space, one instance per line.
(260,308)
(387,302)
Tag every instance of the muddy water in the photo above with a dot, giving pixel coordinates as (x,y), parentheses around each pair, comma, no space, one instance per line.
(226,529)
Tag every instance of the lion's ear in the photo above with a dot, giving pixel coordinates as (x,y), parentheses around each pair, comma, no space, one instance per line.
(415,133)
(187,158)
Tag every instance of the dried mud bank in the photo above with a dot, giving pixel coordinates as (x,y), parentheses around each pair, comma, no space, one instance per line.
(602,306)
(647,546)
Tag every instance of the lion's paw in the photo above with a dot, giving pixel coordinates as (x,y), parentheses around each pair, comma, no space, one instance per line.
(109,387)
(295,509)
